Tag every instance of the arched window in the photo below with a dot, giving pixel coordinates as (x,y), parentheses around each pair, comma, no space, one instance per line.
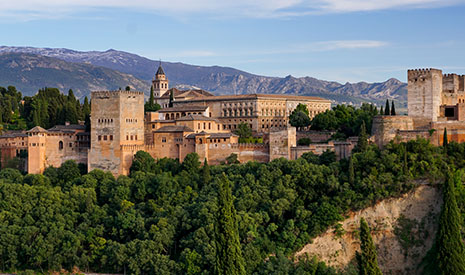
(60,145)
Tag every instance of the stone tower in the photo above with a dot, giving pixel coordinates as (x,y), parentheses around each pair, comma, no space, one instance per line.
(424,95)
(117,123)
(160,83)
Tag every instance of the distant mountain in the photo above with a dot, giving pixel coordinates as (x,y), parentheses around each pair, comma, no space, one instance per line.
(225,80)
(30,72)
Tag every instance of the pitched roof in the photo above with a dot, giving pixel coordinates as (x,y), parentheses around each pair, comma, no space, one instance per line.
(37,129)
(67,127)
(172,128)
(212,135)
(256,96)
(183,109)
(13,133)
(178,94)
(195,117)
(160,70)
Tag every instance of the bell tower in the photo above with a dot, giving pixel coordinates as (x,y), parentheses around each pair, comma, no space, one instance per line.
(160,83)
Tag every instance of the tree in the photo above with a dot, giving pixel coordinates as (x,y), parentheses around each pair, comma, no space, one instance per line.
(393,109)
(170,104)
(368,259)
(362,143)
(229,260)
(387,111)
(143,161)
(304,141)
(450,247)
(232,159)
(381,111)
(128,88)
(445,142)
(206,177)
(299,117)
(243,131)
(351,170)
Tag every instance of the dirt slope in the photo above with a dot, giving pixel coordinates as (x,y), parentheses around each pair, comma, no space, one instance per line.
(403,230)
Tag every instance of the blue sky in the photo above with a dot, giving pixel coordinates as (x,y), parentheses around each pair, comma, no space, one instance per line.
(341,40)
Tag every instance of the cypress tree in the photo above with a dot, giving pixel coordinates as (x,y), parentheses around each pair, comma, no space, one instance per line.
(445,142)
(381,111)
(351,170)
(393,109)
(387,111)
(86,107)
(368,259)
(206,172)
(450,248)
(229,259)
(362,143)
(171,99)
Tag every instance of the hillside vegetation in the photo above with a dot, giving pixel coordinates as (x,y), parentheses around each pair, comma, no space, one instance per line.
(164,218)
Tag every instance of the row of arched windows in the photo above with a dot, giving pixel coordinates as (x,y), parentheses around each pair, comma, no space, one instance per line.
(238,112)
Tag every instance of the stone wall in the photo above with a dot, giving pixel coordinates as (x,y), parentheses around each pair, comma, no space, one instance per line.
(385,128)
(424,93)
(281,142)
(315,136)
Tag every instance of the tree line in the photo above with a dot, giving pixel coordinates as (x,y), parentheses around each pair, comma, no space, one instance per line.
(171,217)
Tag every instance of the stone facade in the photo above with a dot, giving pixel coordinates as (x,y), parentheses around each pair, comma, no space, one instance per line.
(435,102)
(117,121)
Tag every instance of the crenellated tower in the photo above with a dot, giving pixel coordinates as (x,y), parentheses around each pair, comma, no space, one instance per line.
(160,83)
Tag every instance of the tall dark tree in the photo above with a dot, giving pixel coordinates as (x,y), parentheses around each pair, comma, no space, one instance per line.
(128,88)
(368,259)
(393,109)
(351,170)
(150,105)
(362,143)
(229,260)
(450,247)
(170,104)
(445,142)
(381,111)
(206,176)
(387,111)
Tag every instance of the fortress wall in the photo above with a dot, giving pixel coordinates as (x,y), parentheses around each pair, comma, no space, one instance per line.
(424,93)
(385,128)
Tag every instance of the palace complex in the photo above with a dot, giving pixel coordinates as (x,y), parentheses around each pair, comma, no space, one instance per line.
(189,121)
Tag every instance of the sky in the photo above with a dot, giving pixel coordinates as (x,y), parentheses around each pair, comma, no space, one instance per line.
(338,40)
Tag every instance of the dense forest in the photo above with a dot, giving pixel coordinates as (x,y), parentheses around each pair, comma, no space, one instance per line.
(47,108)
(168,217)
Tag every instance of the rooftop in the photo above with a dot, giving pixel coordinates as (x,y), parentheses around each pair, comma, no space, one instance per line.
(259,96)
(172,128)
(183,109)
(195,117)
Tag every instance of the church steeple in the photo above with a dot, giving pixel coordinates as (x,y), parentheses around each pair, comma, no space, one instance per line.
(160,83)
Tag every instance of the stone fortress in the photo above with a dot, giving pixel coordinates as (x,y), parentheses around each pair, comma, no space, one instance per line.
(435,102)
(189,121)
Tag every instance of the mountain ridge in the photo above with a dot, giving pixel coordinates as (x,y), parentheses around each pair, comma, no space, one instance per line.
(224,80)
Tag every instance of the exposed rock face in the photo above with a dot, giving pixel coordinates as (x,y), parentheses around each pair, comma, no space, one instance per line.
(413,216)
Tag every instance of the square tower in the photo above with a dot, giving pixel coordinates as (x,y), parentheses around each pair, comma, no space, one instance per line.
(117,121)
(424,95)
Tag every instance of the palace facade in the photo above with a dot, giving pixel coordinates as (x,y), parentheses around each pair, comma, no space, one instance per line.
(189,121)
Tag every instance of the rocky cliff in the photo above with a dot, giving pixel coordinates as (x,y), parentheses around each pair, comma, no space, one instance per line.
(403,230)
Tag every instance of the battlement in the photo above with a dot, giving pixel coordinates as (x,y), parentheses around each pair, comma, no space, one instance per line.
(414,74)
(132,147)
(115,93)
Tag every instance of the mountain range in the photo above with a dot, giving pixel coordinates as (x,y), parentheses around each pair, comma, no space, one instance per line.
(31,68)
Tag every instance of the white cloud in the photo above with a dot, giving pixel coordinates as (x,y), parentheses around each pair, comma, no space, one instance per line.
(242,8)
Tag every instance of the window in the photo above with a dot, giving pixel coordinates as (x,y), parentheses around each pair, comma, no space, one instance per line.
(99,138)
(60,145)
(163,139)
(70,145)
(111,137)
(135,137)
(127,137)
(105,137)
(449,112)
